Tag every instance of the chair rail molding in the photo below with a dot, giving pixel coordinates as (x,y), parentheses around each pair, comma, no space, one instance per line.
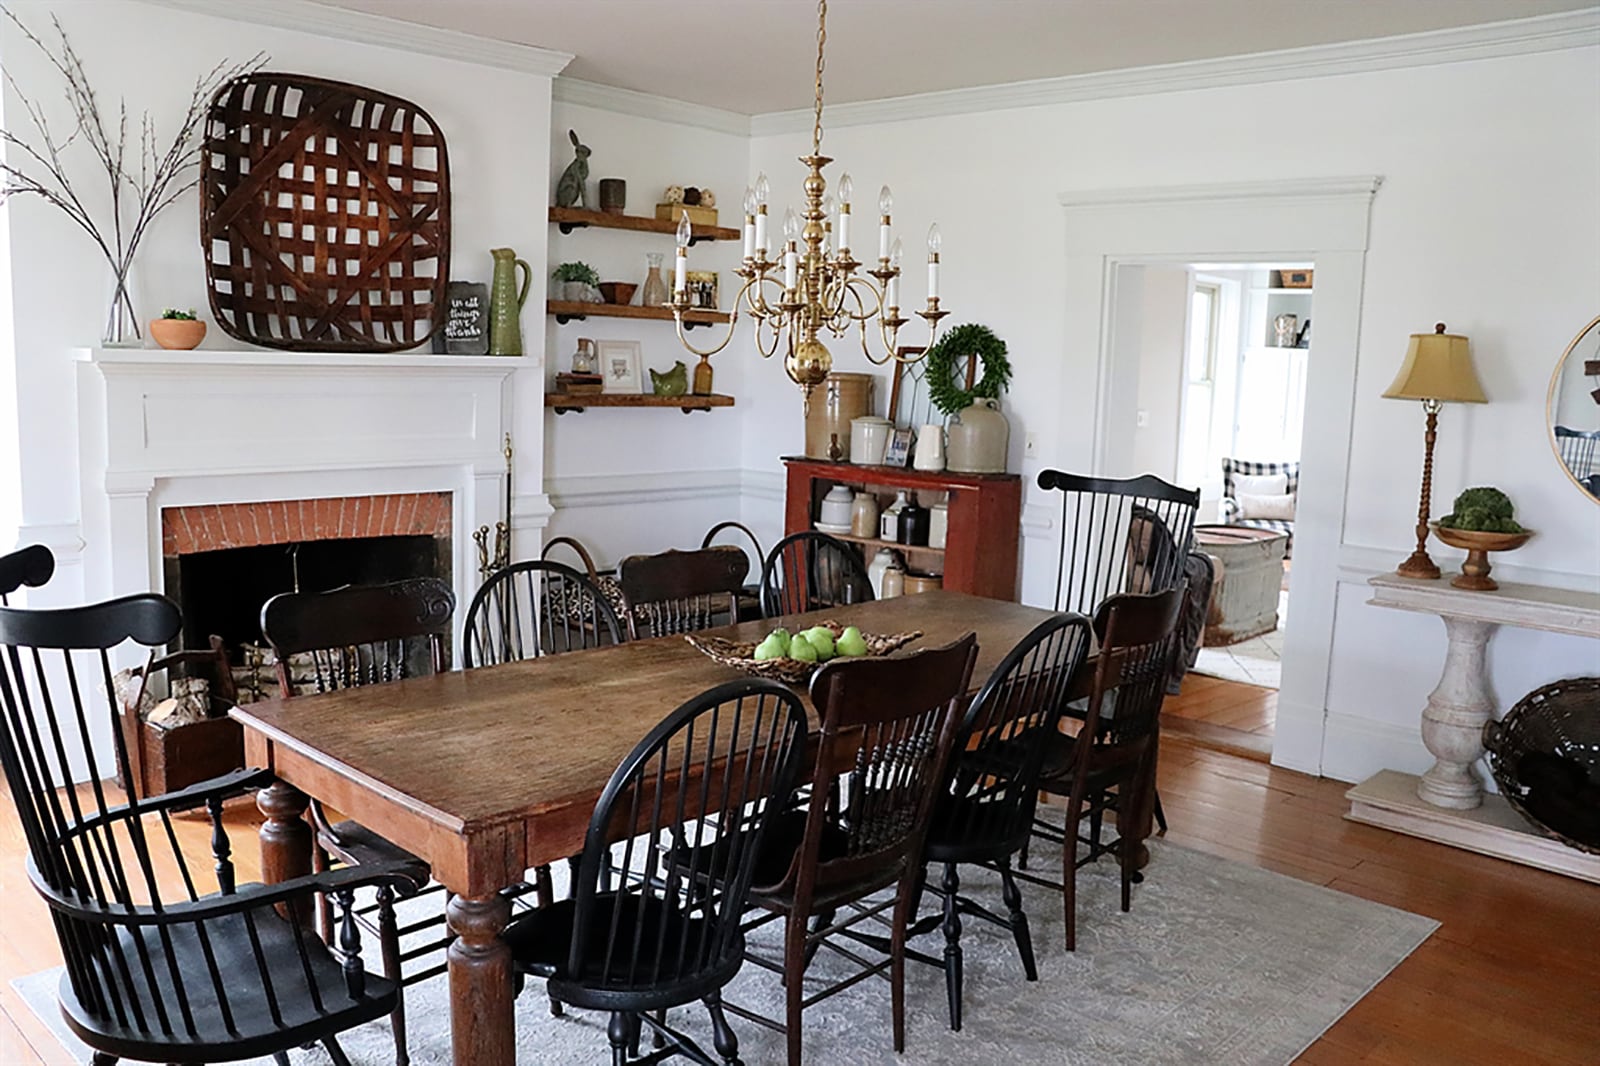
(1325,221)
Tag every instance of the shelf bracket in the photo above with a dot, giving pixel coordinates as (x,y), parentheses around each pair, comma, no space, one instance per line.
(563,319)
(568,227)
(565,410)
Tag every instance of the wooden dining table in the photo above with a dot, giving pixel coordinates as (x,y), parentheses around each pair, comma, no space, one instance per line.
(489,772)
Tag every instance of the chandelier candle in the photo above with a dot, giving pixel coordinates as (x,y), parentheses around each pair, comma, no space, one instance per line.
(821,287)
(680,276)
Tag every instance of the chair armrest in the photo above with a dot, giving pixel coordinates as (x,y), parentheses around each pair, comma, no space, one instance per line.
(234,783)
(247,898)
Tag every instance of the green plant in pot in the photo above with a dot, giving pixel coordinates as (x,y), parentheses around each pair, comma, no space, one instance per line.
(178,331)
(580,282)
(1482,520)
(978,434)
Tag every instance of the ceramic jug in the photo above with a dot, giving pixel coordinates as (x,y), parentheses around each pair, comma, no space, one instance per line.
(505,302)
(978,438)
(930,448)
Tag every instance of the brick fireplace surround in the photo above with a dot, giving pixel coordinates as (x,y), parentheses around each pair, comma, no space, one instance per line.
(212,527)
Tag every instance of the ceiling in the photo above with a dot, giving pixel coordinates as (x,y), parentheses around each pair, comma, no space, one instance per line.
(758,56)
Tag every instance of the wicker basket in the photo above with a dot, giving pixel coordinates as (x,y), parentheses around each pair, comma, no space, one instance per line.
(740,654)
(325,215)
(1561,723)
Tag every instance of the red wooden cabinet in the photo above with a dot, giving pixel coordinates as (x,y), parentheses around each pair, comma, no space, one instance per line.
(980,553)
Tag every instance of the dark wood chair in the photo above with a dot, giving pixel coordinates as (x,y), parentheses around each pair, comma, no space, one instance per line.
(364,635)
(888,726)
(1120,535)
(681,591)
(750,597)
(810,571)
(986,814)
(31,566)
(1107,768)
(654,919)
(530,609)
(152,974)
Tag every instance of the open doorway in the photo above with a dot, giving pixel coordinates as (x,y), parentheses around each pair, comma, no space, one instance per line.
(1223,359)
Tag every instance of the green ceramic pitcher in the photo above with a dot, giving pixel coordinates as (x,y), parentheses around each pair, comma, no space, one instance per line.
(505,302)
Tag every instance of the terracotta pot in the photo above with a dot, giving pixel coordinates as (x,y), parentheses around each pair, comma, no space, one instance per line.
(618,292)
(178,334)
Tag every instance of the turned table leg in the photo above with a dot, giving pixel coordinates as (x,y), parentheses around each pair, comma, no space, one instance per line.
(482,1023)
(285,839)
(1452,722)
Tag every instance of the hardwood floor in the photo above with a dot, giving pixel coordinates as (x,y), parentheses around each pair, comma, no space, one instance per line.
(1225,715)
(1508,978)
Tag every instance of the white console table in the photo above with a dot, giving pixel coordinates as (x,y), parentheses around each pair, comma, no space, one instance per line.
(1448,803)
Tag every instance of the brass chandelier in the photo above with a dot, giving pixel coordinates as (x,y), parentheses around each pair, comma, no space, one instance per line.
(813,285)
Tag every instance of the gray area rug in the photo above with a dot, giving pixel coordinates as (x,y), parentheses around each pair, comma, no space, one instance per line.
(1218,962)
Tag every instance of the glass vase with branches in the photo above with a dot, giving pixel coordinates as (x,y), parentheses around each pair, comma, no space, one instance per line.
(143,172)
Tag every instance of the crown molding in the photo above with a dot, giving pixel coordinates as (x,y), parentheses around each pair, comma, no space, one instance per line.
(306,16)
(648,105)
(1545,33)
(1303,189)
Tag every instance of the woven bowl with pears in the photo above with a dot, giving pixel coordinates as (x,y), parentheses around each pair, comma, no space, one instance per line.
(740,654)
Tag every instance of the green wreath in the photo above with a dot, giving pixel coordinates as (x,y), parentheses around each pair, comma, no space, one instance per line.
(978,342)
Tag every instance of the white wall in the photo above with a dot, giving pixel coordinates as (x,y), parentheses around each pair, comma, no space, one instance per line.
(1480,173)
(496,126)
(1161,371)
(629,480)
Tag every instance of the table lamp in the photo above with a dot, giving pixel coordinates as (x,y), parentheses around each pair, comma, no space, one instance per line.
(1437,370)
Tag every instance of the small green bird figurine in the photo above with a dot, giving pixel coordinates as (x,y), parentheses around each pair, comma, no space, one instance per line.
(674,382)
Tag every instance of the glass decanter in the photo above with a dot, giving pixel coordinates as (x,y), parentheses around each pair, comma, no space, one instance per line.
(655,289)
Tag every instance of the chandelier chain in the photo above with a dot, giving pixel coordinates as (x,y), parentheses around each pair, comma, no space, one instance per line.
(822,39)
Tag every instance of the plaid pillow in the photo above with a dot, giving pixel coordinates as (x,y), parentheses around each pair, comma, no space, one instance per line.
(1230,467)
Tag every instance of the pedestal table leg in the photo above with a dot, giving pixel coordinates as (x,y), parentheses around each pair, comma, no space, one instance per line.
(1452,722)
(482,1022)
(285,840)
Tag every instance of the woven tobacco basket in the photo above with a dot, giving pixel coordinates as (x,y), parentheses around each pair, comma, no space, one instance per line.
(324,215)
(740,654)
(1545,756)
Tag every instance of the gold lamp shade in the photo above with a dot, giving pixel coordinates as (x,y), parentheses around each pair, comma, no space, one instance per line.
(1438,366)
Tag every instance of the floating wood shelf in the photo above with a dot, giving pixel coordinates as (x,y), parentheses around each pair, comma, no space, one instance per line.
(571,218)
(563,403)
(570,310)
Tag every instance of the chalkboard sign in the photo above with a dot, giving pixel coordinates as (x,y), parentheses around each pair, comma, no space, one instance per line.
(466,320)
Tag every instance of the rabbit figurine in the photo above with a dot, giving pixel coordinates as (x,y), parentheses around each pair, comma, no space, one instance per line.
(572,189)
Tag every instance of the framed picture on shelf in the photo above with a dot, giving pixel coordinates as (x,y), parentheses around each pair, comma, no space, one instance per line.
(899,449)
(619,365)
(703,289)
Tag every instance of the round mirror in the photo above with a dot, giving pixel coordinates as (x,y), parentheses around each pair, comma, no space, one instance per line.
(1573,410)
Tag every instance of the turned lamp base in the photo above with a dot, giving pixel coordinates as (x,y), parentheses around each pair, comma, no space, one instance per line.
(1418,564)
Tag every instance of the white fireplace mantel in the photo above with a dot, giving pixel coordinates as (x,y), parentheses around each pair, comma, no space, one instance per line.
(163,429)
(1448,803)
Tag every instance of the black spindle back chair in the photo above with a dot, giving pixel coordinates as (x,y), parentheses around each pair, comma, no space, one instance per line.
(681,591)
(888,726)
(809,571)
(750,597)
(1119,535)
(1109,766)
(31,566)
(154,974)
(986,814)
(654,920)
(530,609)
(1577,450)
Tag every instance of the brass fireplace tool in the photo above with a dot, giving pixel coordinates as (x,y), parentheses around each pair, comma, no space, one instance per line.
(492,563)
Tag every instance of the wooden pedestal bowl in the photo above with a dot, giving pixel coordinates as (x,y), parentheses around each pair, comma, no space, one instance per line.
(1475,569)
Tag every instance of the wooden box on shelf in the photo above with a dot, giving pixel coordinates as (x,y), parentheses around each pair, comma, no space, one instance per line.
(698,216)
(980,552)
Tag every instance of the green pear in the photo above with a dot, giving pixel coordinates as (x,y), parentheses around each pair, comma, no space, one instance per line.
(822,640)
(781,635)
(851,643)
(771,648)
(801,650)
